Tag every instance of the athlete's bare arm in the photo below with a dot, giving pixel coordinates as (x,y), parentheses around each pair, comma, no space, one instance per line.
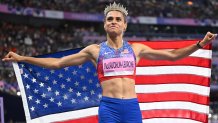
(88,53)
(143,51)
(146,52)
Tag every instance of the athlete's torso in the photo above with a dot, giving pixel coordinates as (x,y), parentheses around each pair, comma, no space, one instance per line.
(116,63)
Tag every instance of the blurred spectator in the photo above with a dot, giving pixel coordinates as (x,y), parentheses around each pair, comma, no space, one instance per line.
(200,9)
(29,40)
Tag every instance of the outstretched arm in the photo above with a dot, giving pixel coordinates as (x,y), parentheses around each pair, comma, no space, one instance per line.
(143,51)
(54,63)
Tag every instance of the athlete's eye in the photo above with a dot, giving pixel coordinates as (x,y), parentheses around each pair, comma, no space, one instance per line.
(118,19)
(110,18)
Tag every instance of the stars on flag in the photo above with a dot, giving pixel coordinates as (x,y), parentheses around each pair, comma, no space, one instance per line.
(35,91)
(78,94)
(60,75)
(86,98)
(66,68)
(92,92)
(87,70)
(59,104)
(30,69)
(38,74)
(30,97)
(45,105)
(41,84)
(25,75)
(52,71)
(33,80)
(82,77)
(49,89)
(76,83)
(84,88)
(65,97)
(51,99)
(67,87)
(57,93)
(62,86)
(43,95)
(32,108)
(70,90)
(38,101)
(27,86)
(46,78)
(80,66)
(74,72)
(73,101)
(54,82)
(68,79)
(90,81)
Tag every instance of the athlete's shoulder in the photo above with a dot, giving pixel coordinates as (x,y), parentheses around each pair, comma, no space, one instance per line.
(136,45)
(92,46)
(91,49)
(139,47)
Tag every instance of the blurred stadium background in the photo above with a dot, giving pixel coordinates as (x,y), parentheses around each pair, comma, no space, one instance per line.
(34,27)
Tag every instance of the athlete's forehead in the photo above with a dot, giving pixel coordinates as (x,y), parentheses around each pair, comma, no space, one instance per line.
(114,14)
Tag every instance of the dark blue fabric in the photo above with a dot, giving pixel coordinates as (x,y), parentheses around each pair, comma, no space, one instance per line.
(114,110)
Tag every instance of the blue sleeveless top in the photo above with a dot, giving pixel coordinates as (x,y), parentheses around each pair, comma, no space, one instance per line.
(116,63)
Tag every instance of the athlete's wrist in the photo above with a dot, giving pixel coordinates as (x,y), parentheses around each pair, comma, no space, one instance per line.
(199,45)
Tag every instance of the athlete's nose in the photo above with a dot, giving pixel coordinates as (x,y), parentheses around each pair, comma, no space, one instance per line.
(114,21)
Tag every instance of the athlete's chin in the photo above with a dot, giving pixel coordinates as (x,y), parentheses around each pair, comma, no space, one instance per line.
(113,33)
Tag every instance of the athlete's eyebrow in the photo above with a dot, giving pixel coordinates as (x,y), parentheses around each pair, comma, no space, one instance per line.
(111,18)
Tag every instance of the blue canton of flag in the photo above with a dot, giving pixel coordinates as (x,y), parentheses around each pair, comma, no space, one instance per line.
(48,91)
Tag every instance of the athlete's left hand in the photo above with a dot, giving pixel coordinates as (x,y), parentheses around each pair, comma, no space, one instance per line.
(208,38)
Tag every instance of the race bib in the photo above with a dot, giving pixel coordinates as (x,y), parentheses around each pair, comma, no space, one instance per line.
(119,66)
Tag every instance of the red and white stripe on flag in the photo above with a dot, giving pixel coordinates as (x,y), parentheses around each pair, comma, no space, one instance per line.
(175,91)
(170,91)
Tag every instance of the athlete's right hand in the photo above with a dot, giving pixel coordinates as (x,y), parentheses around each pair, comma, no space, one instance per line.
(11,56)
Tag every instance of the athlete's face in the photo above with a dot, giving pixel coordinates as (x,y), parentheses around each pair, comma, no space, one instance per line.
(115,23)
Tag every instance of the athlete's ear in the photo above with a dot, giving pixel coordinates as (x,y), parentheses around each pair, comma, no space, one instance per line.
(104,25)
(125,27)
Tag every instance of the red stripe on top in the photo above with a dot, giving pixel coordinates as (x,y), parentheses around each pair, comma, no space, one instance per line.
(189,61)
(90,119)
(184,114)
(173,96)
(172,79)
(169,44)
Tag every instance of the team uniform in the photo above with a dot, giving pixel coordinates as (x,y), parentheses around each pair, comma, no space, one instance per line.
(120,63)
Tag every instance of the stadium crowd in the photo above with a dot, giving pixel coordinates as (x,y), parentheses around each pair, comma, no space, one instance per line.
(200,9)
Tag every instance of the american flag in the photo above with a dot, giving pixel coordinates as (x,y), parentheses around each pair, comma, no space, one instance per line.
(168,92)
(55,95)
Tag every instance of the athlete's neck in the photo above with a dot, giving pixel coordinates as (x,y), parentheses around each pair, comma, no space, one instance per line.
(114,42)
